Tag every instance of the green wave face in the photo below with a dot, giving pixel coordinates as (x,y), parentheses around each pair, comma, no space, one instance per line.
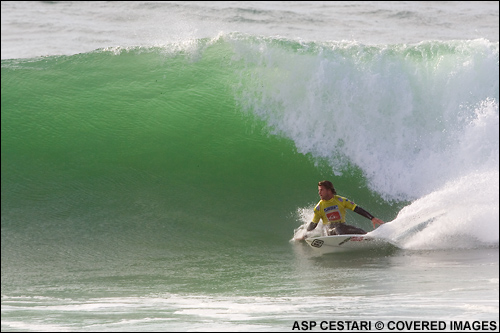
(227,138)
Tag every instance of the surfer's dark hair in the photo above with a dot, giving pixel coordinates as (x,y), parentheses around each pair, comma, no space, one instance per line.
(328,185)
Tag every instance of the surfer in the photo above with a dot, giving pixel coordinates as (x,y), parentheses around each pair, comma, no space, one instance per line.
(331,210)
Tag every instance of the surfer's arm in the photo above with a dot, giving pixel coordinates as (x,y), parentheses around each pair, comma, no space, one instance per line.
(363,212)
(318,215)
(369,216)
(311,226)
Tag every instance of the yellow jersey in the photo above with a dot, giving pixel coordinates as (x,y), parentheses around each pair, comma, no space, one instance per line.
(333,210)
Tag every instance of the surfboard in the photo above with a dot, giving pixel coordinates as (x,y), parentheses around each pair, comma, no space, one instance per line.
(344,243)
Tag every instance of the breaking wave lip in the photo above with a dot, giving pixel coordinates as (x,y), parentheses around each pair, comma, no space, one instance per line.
(411,117)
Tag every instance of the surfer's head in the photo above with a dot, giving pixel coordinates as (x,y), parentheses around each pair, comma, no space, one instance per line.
(328,186)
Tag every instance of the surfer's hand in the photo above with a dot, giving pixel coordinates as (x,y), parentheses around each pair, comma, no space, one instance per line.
(376,221)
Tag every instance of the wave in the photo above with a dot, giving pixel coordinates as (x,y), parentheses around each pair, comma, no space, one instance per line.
(227,137)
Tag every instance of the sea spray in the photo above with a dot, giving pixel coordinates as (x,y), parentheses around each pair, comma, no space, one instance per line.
(459,215)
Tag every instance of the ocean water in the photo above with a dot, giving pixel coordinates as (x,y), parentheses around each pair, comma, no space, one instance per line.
(157,158)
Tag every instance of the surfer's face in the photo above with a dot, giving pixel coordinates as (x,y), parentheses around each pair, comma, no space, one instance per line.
(324,194)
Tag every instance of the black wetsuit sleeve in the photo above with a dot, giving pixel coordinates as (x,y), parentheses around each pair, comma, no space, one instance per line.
(311,226)
(363,212)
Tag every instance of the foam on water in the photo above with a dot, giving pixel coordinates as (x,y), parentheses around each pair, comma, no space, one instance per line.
(174,311)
